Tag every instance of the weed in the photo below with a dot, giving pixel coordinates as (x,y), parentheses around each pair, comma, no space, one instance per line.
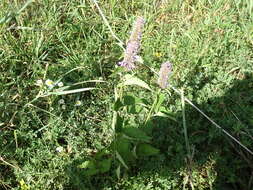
(47,134)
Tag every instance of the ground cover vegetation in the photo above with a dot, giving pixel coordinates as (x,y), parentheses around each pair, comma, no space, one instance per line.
(75,115)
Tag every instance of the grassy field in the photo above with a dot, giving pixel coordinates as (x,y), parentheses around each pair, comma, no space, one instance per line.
(46,135)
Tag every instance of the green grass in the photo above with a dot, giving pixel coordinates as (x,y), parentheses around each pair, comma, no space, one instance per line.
(211,47)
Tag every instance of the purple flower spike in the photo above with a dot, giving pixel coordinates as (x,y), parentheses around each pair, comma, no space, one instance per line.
(133,45)
(164,73)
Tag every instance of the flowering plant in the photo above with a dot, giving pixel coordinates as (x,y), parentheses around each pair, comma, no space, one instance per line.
(132,116)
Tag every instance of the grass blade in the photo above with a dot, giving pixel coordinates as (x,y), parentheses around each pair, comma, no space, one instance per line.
(69,91)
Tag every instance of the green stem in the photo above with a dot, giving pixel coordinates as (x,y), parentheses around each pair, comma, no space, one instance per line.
(153,106)
(184,124)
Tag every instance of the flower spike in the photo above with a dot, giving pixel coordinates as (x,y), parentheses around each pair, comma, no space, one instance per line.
(133,45)
(164,73)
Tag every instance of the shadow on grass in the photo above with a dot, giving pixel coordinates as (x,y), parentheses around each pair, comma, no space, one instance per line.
(217,162)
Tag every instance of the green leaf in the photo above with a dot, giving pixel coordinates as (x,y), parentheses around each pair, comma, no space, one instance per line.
(117,105)
(136,133)
(117,71)
(118,156)
(128,100)
(123,146)
(85,164)
(144,102)
(146,150)
(118,172)
(100,154)
(134,104)
(90,167)
(91,171)
(160,100)
(148,127)
(165,114)
(135,109)
(119,123)
(105,165)
(134,152)
(132,80)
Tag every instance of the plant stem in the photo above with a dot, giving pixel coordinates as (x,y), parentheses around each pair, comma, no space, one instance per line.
(184,125)
(153,106)
(121,44)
